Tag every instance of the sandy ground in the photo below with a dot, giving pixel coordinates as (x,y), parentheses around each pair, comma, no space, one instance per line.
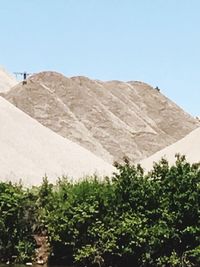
(6,80)
(188,146)
(111,119)
(29,151)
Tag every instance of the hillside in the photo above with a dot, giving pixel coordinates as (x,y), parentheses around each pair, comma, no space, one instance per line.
(29,151)
(188,146)
(111,119)
(6,80)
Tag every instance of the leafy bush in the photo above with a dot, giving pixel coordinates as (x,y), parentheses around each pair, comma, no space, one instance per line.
(15,223)
(131,219)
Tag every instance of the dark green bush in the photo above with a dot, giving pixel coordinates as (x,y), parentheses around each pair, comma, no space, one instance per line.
(16,210)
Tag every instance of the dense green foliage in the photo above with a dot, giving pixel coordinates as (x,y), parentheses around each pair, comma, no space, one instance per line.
(132,219)
(16,223)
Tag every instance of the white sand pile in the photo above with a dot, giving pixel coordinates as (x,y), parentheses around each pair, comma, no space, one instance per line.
(28,151)
(6,80)
(188,146)
(111,119)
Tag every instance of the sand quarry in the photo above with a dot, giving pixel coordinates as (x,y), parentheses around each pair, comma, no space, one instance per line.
(111,119)
(56,126)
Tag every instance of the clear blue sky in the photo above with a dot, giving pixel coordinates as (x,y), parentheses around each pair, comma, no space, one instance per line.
(155,41)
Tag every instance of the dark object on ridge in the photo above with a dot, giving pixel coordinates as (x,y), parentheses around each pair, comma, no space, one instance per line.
(24,74)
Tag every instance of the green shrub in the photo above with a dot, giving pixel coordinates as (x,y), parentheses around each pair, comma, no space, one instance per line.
(15,223)
(130,219)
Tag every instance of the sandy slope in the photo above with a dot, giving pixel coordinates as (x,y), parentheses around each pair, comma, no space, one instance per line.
(111,119)
(188,146)
(6,80)
(29,151)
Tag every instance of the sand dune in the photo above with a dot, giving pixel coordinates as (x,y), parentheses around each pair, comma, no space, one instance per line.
(29,151)
(111,119)
(188,146)
(6,80)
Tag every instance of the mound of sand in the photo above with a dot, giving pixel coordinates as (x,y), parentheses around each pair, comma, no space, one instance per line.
(111,119)
(6,80)
(29,151)
(188,146)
